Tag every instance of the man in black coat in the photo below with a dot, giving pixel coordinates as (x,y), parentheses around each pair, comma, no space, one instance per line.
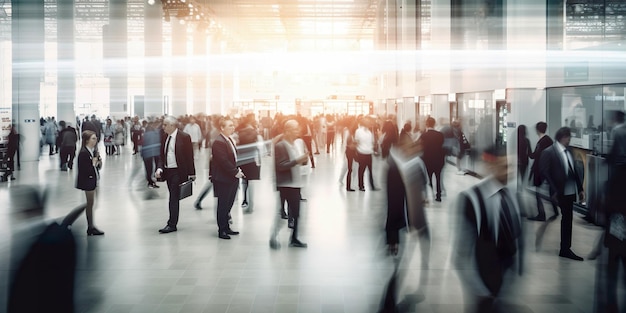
(434,154)
(557,167)
(225,176)
(175,166)
(543,143)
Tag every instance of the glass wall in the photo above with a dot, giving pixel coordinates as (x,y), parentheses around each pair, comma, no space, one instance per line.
(588,111)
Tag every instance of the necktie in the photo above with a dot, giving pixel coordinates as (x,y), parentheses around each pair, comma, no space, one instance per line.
(508,230)
(167,147)
(570,169)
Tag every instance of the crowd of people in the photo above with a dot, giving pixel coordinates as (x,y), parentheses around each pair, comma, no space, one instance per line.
(490,241)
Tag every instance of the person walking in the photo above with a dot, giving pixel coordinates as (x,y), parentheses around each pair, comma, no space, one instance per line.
(150,152)
(68,140)
(434,155)
(89,164)
(364,150)
(489,243)
(543,143)
(288,162)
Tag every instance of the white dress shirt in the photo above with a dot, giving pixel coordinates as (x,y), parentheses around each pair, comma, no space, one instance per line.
(170,152)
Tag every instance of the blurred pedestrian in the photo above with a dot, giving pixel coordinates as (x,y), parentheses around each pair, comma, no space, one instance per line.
(288,161)
(489,240)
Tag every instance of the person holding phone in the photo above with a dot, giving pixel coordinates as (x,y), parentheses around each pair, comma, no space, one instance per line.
(89,164)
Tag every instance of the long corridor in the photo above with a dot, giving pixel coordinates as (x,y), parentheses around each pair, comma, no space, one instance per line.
(133,268)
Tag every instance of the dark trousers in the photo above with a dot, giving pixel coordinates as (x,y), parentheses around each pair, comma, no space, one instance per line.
(541,211)
(67,155)
(173,178)
(567,209)
(616,255)
(292,195)
(350,156)
(307,141)
(437,171)
(225,193)
(149,163)
(365,161)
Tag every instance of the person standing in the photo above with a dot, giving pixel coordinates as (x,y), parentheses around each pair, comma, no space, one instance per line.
(175,166)
(489,242)
(364,149)
(523,153)
(543,143)
(434,155)
(89,164)
(109,135)
(557,166)
(225,176)
(289,159)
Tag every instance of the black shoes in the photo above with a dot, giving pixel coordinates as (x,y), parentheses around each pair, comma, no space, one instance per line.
(94,232)
(167,229)
(153,185)
(361,189)
(232,232)
(538,218)
(438,199)
(244,204)
(297,244)
(570,255)
(349,189)
(197,206)
(223,235)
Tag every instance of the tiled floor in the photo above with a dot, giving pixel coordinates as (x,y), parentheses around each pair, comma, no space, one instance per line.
(133,268)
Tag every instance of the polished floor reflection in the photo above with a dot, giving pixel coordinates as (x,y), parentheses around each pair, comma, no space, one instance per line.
(133,268)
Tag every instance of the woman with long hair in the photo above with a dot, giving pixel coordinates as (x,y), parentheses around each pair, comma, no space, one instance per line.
(89,163)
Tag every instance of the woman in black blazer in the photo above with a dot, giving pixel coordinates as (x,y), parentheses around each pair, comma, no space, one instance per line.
(89,163)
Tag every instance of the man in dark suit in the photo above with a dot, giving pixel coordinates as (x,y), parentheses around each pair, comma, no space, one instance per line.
(557,167)
(614,236)
(175,166)
(489,242)
(225,176)
(543,143)
(432,142)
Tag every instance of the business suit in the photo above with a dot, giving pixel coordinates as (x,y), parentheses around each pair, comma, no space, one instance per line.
(485,257)
(87,176)
(183,152)
(535,173)
(433,157)
(553,169)
(616,206)
(223,170)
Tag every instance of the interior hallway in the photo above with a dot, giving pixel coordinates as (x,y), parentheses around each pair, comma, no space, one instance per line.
(133,268)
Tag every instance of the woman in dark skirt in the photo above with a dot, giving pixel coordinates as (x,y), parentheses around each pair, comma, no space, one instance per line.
(89,164)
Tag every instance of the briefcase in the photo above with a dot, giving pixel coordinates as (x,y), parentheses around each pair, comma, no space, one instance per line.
(185,189)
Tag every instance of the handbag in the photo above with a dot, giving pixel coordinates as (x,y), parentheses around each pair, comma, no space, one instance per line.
(186,189)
